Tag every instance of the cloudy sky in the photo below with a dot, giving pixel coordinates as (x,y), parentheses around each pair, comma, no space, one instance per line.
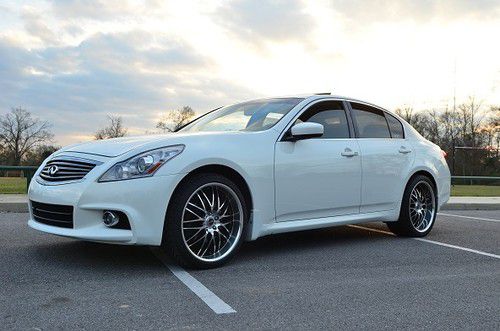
(72,62)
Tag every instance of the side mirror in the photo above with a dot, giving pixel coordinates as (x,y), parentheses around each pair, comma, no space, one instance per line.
(305,130)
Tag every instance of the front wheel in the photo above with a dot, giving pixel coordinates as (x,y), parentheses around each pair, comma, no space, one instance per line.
(205,221)
(418,209)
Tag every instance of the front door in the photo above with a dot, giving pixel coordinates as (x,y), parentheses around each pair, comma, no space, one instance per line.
(319,177)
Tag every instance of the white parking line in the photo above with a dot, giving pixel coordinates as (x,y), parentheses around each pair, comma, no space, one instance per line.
(458,247)
(470,217)
(431,242)
(210,298)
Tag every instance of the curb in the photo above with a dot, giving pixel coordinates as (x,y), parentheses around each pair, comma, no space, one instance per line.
(13,207)
(22,207)
(470,206)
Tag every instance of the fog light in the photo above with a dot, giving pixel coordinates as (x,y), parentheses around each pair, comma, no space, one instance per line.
(110,219)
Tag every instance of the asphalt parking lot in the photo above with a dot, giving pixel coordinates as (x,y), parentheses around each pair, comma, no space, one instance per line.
(343,278)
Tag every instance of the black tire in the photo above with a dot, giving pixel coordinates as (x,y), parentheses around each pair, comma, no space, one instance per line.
(173,238)
(404,226)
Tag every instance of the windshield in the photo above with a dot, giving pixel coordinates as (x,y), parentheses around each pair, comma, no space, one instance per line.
(255,115)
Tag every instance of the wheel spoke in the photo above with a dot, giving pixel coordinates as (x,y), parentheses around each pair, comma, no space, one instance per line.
(225,228)
(198,240)
(215,245)
(223,235)
(202,244)
(195,228)
(218,246)
(218,201)
(192,212)
(220,206)
(201,200)
(208,245)
(195,220)
(213,198)
(208,201)
(197,207)
(194,235)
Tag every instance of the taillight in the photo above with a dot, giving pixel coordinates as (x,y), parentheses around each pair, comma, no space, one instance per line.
(445,155)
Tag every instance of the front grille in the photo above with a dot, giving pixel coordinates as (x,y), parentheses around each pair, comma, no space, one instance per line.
(61,170)
(55,215)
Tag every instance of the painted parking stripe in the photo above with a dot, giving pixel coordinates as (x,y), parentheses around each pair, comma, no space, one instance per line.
(210,298)
(458,247)
(431,242)
(470,217)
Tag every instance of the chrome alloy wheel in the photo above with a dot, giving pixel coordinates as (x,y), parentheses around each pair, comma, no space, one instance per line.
(422,206)
(212,222)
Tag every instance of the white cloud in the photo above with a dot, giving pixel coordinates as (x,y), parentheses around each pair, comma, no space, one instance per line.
(266,20)
(74,61)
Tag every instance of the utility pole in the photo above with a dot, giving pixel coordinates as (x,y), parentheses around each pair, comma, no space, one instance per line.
(454,84)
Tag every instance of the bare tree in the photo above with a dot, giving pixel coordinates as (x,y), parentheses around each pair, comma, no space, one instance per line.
(20,132)
(115,129)
(406,113)
(419,120)
(469,125)
(434,125)
(175,119)
(492,129)
(471,118)
(449,120)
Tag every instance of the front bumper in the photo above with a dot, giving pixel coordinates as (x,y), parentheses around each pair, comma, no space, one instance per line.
(143,200)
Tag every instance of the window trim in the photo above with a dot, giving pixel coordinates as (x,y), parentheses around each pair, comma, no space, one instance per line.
(400,123)
(352,133)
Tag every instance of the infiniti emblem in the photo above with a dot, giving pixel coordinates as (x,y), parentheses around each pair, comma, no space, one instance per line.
(53,170)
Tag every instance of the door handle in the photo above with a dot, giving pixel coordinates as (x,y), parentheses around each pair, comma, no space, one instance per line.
(404,150)
(348,153)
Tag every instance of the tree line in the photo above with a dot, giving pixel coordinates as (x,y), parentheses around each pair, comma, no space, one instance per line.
(28,140)
(469,133)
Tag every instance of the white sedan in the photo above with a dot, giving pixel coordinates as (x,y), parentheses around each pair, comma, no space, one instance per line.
(242,172)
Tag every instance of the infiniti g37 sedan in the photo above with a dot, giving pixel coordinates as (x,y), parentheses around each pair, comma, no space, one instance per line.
(242,172)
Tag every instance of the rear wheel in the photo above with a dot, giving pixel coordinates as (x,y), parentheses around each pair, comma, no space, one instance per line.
(205,221)
(418,209)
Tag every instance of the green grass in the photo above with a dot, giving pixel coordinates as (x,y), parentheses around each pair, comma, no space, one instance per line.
(13,185)
(475,191)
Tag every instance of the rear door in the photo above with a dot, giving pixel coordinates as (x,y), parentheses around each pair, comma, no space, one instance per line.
(319,177)
(386,157)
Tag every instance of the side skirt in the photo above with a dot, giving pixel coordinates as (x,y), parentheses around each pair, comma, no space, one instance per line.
(317,223)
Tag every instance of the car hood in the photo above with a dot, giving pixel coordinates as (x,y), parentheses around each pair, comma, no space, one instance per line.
(115,147)
(118,146)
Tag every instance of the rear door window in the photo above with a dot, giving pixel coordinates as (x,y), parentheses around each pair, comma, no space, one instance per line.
(370,121)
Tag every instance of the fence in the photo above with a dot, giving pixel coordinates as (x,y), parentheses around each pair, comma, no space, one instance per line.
(27,171)
(475,180)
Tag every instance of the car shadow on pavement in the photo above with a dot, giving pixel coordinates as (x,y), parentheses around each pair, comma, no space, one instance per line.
(75,254)
(312,240)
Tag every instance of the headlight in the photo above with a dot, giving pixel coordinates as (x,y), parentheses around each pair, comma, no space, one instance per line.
(142,165)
